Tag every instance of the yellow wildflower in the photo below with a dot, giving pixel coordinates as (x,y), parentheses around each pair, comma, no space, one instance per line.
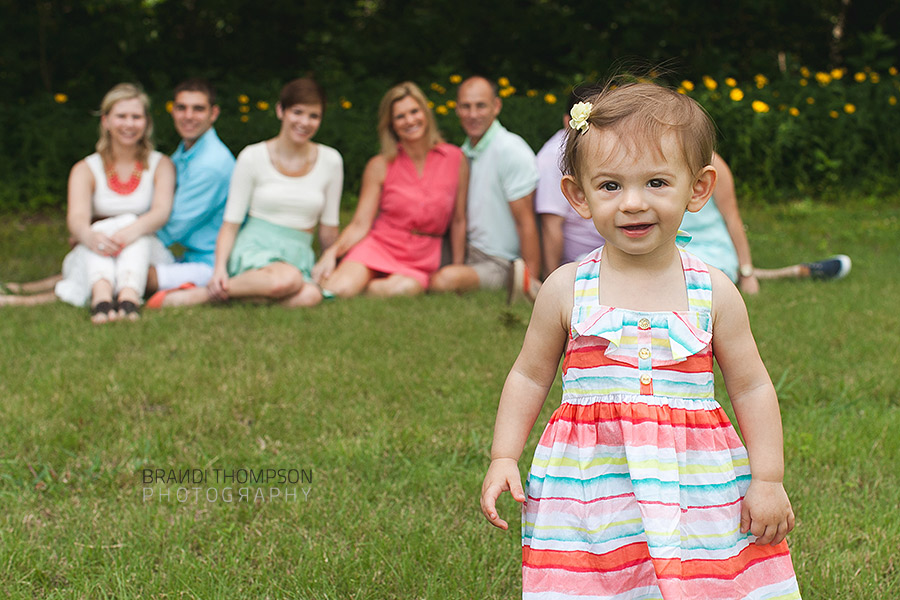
(430,104)
(849,108)
(892,71)
(860,77)
(262,105)
(531,93)
(451,103)
(169,106)
(823,78)
(736,94)
(503,81)
(441,110)
(709,82)
(243,99)
(810,100)
(455,78)
(438,88)
(892,100)
(760,80)
(837,73)
(550,99)
(759,106)
(688,85)
(244,118)
(730,82)
(833,114)
(804,72)
(346,104)
(62,98)
(794,111)
(507,92)
(874,77)
(244,108)
(803,83)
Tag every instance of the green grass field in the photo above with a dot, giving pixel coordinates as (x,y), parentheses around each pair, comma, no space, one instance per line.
(388,408)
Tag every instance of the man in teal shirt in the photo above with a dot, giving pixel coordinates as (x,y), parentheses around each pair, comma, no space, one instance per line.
(203,166)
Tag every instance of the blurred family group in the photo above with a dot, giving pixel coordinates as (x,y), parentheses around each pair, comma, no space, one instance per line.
(431,216)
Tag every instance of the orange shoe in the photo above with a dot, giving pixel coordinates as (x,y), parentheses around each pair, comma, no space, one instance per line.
(157,299)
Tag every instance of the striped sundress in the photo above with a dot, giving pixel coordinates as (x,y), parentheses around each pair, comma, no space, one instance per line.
(636,487)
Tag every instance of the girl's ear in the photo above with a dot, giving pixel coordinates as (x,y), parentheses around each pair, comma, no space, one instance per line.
(279,112)
(703,188)
(575,195)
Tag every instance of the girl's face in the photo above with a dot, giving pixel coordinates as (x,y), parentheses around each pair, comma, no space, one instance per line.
(300,122)
(635,196)
(126,122)
(408,120)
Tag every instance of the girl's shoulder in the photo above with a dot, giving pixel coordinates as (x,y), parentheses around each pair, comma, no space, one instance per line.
(556,298)
(725,296)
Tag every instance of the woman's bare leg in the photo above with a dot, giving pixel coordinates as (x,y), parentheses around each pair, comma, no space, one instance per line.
(309,295)
(274,281)
(792,272)
(34,287)
(394,285)
(349,279)
(30,300)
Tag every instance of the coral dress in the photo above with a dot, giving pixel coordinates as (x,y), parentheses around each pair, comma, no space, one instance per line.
(413,217)
(636,487)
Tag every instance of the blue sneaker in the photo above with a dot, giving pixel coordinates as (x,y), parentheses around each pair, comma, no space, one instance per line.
(835,267)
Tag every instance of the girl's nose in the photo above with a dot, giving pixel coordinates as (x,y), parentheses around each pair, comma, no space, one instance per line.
(631,201)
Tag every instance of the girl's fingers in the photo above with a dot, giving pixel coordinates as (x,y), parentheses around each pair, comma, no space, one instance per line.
(745,520)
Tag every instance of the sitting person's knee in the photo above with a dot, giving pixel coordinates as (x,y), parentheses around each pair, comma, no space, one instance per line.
(285,283)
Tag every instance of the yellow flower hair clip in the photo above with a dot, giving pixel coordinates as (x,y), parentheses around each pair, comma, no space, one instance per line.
(580,114)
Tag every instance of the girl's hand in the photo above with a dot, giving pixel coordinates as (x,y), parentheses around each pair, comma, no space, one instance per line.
(502,476)
(125,236)
(325,267)
(100,243)
(766,512)
(218,284)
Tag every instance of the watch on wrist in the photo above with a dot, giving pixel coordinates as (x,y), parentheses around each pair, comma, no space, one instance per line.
(746,271)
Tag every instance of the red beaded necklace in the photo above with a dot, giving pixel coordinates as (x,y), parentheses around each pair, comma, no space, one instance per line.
(112,179)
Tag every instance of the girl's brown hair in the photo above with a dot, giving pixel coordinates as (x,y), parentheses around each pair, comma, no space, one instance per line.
(641,113)
(304,90)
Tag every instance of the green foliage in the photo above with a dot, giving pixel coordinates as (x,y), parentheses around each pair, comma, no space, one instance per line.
(391,404)
(359,48)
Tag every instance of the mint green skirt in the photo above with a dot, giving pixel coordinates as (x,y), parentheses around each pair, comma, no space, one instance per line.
(260,243)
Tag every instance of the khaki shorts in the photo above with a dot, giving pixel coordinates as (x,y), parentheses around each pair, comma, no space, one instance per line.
(493,272)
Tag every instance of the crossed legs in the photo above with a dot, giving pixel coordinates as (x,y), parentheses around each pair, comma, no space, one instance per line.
(353,278)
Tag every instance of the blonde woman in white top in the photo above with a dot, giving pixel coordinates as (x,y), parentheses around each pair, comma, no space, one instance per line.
(118,197)
(281,191)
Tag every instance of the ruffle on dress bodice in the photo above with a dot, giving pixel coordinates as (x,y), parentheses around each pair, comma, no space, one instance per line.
(688,332)
(676,334)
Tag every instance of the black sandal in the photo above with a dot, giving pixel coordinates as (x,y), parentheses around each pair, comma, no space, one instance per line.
(104,307)
(130,309)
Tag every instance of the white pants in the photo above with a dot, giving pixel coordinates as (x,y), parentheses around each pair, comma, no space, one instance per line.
(176,274)
(82,268)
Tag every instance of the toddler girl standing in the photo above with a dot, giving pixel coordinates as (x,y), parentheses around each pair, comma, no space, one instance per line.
(640,487)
